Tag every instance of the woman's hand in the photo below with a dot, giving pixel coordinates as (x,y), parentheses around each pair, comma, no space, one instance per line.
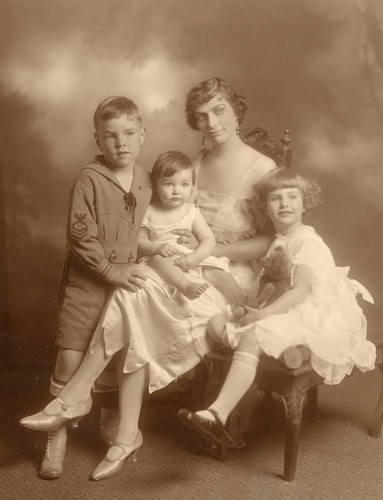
(252,315)
(186,238)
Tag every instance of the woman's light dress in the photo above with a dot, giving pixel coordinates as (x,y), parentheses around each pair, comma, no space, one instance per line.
(163,234)
(329,321)
(166,330)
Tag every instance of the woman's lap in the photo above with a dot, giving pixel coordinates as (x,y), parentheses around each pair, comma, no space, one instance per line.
(162,328)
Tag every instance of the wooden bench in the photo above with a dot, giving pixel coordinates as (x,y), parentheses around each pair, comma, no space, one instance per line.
(292,385)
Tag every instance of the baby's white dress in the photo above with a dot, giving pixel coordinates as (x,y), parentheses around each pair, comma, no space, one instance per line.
(329,320)
(163,234)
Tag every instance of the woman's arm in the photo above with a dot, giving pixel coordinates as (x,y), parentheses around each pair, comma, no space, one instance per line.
(206,244)
(303,277)
(245,250)
(205,238)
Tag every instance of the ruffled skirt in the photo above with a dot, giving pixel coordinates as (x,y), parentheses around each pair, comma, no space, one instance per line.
(329,322)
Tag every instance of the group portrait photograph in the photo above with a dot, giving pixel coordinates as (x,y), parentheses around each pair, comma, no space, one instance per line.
(191,299)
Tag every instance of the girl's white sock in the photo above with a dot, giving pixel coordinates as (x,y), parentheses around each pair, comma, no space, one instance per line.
(239,379)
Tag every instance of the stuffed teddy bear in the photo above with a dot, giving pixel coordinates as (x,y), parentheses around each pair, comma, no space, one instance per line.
(276,277)
(275,280)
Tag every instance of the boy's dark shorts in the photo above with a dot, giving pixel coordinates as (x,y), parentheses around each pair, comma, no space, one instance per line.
(82,299)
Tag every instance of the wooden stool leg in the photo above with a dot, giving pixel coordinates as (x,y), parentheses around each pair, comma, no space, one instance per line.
(266,409)
(312,402)
(293,405)
(378,417)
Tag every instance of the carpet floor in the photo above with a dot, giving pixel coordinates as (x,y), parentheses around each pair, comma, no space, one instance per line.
(337,460)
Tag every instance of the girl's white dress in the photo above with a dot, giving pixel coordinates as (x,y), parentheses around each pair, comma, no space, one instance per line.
(166,330)
(329,321)
(163,234)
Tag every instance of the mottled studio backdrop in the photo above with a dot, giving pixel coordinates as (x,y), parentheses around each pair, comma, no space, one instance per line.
(313,66)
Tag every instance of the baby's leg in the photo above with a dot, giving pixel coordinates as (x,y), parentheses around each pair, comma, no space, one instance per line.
(225,283)
(165,267)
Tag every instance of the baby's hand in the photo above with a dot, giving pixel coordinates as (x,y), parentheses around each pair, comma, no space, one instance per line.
(186,238)
(238,313)
(129,277)
(252,315)
(186,261)
(166,250)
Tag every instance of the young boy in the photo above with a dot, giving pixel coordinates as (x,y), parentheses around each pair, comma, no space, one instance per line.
(107,205)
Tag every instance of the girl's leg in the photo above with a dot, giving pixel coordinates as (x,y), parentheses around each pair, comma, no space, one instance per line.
(225,283)
(239,379)
(164,267)
(216,328)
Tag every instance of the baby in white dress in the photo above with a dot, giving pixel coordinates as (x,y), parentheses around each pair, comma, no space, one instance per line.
(187,270)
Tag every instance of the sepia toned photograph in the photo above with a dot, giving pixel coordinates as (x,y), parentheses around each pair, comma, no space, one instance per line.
(191,300)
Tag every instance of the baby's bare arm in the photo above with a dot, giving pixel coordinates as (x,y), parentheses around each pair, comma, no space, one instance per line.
(145,246)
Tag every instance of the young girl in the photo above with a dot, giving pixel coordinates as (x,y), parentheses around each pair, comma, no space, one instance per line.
(174,179)
(319,311)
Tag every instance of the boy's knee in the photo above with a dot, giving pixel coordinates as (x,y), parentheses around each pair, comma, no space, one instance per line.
(67,363)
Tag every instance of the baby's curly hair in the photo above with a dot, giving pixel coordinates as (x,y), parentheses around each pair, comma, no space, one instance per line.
(286,177)
(207,90)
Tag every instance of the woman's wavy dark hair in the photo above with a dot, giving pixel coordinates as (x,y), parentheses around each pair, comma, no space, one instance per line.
(207,90)
(287,177)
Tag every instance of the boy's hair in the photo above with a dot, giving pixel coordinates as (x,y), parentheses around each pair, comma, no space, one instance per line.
(167,164)
(286,177)
(207,90)
(114,107)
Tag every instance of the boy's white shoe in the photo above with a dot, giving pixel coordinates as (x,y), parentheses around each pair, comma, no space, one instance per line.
(53,462)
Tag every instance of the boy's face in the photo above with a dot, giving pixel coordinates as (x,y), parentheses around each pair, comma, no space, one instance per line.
(120,139)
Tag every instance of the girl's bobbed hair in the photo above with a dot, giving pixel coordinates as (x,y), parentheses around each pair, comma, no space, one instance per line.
(287,177)
(169,163)
(207,90)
